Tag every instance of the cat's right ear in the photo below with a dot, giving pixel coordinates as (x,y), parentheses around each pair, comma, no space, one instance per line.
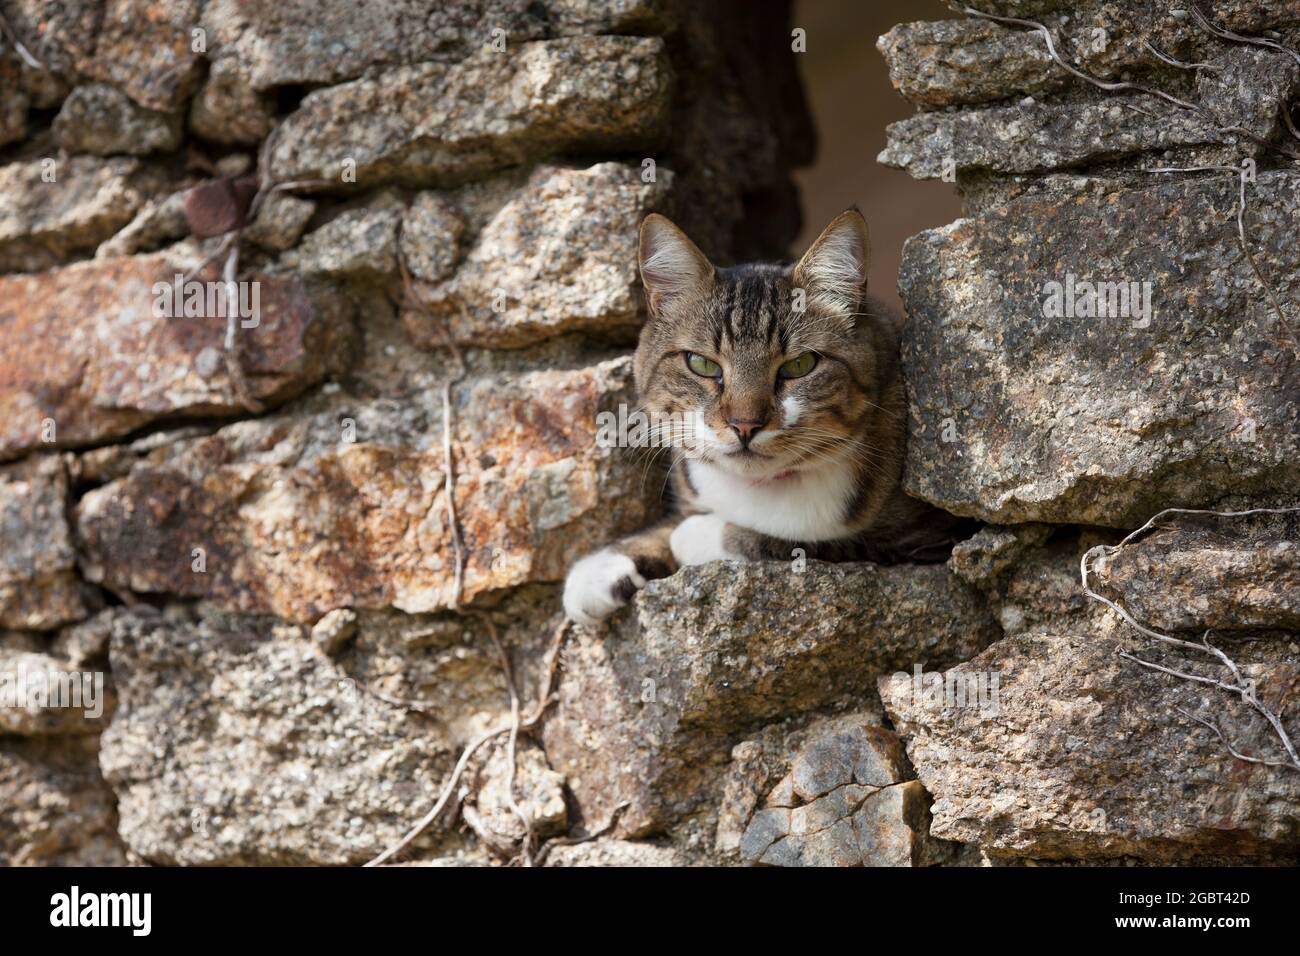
(671,265)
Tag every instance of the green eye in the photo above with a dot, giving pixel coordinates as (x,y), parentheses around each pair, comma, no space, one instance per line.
(799,366)
(703,366)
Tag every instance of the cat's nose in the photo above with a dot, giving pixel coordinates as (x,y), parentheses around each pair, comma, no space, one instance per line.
(746,428)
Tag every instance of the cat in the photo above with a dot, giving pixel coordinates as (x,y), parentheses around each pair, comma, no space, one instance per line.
(779,391)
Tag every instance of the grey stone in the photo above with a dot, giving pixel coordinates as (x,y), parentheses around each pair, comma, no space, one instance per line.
(280,221)
(102,120)
(436,124)
(645,718)
(1093,757)
(228,110)
(559,256)
(1194,572)
(236,745)
(360,243)
(39,589)
(50,210)
(431,235)
(1019,415)
(54,807)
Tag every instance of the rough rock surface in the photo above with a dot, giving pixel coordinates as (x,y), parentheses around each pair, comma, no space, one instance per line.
(646,719)
(39,588)
(50,210)
(54,807)
(1194,572)
(114,363)
(845,797)
(357,486)
(103,120)
(438,124)
(559,256)
(268,45)
(1020,412)
(236,745)
(1090,755)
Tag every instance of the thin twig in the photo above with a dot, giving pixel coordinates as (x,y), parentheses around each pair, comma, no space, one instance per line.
(1227,743)
(230,349)
(1223,34)
(1075,71)
(1179,63)
(10,34)
(526,843)
(411,299)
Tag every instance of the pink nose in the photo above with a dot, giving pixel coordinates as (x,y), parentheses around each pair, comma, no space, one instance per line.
(745,428)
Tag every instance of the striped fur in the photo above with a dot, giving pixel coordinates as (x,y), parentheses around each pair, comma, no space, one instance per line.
(821,475)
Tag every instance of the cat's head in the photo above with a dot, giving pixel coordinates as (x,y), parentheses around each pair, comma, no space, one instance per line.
(759,369)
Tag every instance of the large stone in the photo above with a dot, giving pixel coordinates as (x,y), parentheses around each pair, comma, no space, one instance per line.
(147,49)
(240,740)
(954,62)
(648,713)
(1193,572)
(1091,756)
(52,209)
(846,799)
(39,589)
(438,124)
(959,62)
(54,807)
(111,363)
(559,256)
(340,504)
(228,110)
(1019,412)
(323,42)
(235,744)
(360,243)
(102,120)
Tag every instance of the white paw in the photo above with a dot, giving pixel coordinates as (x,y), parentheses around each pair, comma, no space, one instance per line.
(698,540)
(598,585)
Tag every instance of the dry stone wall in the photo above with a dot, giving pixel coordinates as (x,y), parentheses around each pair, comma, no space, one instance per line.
(242,528)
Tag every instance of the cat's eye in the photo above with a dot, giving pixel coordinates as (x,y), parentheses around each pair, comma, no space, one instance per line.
(799,366)
(703,366)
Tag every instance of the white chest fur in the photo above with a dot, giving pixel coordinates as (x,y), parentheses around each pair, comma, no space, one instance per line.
(809,506)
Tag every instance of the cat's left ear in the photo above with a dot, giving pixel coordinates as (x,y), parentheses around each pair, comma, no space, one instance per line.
(834,269)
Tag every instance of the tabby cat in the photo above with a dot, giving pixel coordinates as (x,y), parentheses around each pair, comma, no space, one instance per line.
(780,391)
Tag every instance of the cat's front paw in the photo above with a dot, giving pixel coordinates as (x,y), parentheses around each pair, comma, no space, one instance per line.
(700,539)
(599,585)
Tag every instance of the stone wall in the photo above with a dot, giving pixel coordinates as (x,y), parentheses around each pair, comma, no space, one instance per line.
(244,527)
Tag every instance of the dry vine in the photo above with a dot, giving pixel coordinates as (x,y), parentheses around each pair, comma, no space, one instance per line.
(7,32)
(1238,685)
(1241,171)
(517,723)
